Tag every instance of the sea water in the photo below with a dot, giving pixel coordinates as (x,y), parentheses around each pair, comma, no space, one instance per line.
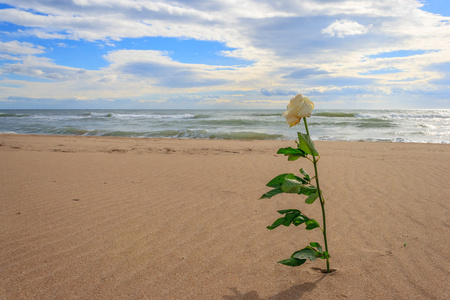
(418,126)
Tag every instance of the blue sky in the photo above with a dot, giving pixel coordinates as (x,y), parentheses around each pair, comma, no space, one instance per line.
(224,53)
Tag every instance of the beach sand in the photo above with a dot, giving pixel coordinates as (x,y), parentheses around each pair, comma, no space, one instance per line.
(131,218)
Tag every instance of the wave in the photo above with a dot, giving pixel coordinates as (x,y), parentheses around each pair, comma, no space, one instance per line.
(184,133)
(386,115)
(204,134)
(359,123)
(202,116)
(233,122)
(94,132)
(58,118)
(7,115)
(96,115)
(330,123)
(155,116)
(125,116)
(375,123)
(368,125)
(267,114)
(69,131)
(247,136)
(330,114)
(8,132)
(404,116)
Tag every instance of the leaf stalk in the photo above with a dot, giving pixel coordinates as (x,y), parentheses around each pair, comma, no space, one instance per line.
(321,199)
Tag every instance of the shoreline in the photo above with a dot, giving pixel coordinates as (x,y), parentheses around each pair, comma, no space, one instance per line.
(8,135)
(132,145)
(118,218)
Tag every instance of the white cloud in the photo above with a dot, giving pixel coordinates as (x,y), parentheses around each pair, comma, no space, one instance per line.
(9,57)
(44,68)
(162,70)
(289,45)
(343,27)
(20,48)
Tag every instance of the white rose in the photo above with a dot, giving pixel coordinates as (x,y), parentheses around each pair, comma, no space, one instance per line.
(298,108)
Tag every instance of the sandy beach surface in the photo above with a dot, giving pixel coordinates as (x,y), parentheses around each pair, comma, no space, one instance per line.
(131,218)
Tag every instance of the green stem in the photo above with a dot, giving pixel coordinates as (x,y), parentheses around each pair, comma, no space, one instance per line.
(322,202)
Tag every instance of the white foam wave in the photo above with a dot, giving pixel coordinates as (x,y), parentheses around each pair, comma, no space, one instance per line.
(154,116)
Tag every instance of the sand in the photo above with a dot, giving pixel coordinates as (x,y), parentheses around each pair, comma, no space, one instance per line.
(128,218)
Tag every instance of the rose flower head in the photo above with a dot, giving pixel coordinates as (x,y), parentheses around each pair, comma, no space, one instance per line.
(298,108)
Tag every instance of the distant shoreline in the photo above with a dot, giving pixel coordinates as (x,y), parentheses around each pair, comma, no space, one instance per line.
(200,139)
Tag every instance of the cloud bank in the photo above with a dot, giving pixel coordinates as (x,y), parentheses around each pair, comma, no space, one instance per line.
(253,54)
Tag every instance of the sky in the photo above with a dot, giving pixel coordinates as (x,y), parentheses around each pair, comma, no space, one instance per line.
(224,54)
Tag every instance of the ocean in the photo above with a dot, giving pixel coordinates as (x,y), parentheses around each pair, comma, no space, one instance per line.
(407,126)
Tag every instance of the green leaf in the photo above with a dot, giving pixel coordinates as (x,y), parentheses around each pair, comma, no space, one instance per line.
(292,176)
(299,217)
(285,211)
(291,186)
(308,190)
(286,151)
(300,220)
(294,157)
(317,245)
(306,253)
(311,224)
(292,216)
(272,193)
(311,198)
(280,179)
(288,218)
(306,144)
(275,224)
(292,262)
(307,177)
(292,153)
(277,181)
